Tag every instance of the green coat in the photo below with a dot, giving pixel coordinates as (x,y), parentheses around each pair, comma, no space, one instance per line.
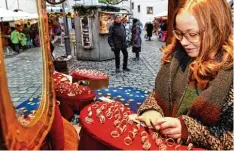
(15,37)
(23,40)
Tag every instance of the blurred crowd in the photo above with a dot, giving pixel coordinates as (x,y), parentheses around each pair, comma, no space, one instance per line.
(22,36)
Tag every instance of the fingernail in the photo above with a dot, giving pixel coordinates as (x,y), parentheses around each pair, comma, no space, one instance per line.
(157,127)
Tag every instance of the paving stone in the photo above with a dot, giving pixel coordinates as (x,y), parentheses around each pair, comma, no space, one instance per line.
(15,100)
(25,77)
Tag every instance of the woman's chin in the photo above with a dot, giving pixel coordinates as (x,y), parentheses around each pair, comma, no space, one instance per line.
(192,54)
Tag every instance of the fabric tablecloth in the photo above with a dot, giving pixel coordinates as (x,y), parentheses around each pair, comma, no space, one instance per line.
(96,136)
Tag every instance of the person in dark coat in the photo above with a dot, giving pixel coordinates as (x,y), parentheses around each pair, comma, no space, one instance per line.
(136,38)
(117,42)
(26,31)
(149,29)
(163,26)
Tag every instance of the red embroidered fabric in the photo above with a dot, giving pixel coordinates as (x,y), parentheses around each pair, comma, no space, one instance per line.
(83,74)
(71,91)
(72,96)
(96,136)
(59,77)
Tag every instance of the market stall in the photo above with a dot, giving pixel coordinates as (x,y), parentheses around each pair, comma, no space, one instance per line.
(9,19)
(92,29)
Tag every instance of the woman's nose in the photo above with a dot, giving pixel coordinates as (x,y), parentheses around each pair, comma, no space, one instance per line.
(184,41)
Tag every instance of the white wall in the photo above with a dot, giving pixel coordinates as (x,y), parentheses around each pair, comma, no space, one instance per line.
(125,4)
(158,7)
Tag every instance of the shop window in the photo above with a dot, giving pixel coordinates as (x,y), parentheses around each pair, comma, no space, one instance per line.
(133,5)
(149,10)
(86,34)
(106,19)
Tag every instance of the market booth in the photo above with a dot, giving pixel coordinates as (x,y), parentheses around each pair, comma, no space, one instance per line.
(92,29)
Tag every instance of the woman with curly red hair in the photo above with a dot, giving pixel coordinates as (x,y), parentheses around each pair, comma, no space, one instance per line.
(193,96)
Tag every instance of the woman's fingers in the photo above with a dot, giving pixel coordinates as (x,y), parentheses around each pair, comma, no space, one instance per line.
(140,118)
(160,121)
(154,121)
(145,120)
(165,123)
(170,131)
(174,136)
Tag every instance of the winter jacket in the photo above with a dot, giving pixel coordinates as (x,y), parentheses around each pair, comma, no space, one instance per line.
(117,36)
(136,35)
(149,29)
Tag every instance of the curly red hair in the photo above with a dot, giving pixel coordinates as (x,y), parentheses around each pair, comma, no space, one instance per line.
(214,16)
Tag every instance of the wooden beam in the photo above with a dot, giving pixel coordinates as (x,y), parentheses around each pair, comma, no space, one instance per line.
(172,5)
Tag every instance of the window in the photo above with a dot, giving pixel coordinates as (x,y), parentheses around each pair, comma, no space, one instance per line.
(149,10)
(139,8)
(133,5)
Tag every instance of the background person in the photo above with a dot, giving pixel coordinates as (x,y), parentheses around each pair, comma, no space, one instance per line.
(149,29)
(15,38)
(136,38)
(117,42)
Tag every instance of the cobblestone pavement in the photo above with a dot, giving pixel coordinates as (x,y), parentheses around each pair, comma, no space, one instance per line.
(25,77)
(143,72)
(24,73)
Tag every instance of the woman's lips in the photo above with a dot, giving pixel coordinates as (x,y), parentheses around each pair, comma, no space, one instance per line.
(189,49)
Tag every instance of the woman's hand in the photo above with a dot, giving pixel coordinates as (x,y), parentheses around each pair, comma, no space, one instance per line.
(169,126)
(149,117)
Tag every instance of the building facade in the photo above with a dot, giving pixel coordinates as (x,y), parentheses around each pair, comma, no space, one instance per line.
(146,10)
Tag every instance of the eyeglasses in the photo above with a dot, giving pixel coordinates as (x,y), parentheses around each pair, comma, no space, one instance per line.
(193,37)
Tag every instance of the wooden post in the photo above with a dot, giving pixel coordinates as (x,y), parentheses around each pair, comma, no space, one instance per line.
(172,5)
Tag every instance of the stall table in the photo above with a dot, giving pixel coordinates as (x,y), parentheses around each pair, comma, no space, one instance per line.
(97,135)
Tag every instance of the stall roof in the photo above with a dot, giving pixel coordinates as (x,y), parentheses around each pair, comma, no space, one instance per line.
(8,15)
(164,13)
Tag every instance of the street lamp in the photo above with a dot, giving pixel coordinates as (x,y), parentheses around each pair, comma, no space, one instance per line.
(66,37)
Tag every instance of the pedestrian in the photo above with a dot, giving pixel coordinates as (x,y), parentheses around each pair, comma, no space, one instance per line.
(117,42)
(155,30)
(163,26)
(26,31)
(193,95)
(23,41)
(10,44)
(15,38)
(149,29)
(163,30)
(136,38)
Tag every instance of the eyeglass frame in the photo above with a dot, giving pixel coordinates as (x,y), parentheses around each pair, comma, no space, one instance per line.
(184,35)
